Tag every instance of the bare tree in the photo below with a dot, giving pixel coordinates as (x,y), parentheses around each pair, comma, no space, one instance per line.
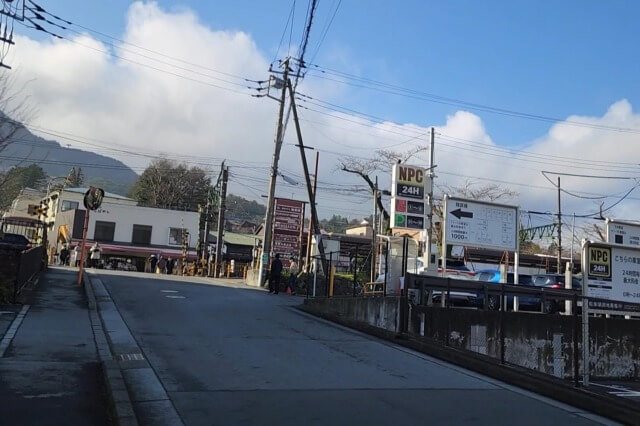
(382,161)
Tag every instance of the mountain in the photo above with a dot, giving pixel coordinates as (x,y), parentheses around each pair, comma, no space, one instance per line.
(99,170)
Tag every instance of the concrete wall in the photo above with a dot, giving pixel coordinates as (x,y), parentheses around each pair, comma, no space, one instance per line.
(535,341)
(540,342)
(376,311)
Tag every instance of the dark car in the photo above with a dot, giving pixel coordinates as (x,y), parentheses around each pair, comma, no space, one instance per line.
(493,301)
(556,281)
(15,241)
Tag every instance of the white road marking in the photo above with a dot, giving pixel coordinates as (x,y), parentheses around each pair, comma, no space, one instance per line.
(175,297)
(168,291)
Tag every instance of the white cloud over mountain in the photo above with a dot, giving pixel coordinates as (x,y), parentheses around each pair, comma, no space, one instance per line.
(80,90)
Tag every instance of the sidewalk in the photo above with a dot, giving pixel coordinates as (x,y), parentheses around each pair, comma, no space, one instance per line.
(49,373)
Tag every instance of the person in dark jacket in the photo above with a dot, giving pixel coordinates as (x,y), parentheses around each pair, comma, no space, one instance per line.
(274,275)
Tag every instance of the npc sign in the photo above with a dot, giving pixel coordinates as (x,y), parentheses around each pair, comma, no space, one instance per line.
(612,272)
(408,189)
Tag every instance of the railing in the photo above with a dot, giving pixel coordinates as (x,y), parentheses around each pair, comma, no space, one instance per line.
(19,268)
(546,340)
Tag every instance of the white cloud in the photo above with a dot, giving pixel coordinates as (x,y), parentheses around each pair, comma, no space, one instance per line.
(85,92)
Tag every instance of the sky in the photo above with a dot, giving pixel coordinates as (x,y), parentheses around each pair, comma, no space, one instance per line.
(512,88)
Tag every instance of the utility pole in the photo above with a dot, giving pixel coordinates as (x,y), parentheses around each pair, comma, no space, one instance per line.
(373,232)
(311,192)
(223,206)
(309,234)
(559,269)
(268,221)
(427,263)
(205,246)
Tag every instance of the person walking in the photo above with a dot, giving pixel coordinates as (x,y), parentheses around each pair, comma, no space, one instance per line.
(274,275)
(162,264)
(153,261)
(170,266)
(75,258)
(64,255)
(293,276)
(95,254)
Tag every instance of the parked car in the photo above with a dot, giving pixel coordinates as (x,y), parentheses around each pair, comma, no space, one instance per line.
(556,281)
(525,302)
(15,241)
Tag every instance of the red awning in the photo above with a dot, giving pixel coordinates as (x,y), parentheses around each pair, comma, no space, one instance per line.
(116,249)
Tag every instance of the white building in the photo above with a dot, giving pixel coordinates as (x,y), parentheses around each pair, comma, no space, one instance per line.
(20,205)
(132,232)
(72,198)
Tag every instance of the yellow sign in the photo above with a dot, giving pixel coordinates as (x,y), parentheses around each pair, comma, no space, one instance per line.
(410,175)
(599,262)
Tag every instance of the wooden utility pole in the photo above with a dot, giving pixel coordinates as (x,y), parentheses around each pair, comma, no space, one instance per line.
(309,234)
(373,232)
(311,192)
(223,207)
(268,222)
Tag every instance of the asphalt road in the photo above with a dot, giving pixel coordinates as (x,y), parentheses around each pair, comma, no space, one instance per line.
(234,356)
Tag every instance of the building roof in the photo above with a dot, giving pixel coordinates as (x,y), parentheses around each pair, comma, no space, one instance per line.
(238,239)
(106,194)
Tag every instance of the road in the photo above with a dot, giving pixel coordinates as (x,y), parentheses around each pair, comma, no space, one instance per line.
(238,356)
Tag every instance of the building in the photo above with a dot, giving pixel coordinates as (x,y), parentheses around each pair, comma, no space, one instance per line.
(364,229)
(20,205)
(128,232)
(72,198)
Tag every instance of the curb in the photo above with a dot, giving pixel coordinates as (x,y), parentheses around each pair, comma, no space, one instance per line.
(624,411)
(12,330)
(119,399)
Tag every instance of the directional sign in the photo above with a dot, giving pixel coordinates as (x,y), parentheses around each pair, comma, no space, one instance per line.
(481,224)
(623,233)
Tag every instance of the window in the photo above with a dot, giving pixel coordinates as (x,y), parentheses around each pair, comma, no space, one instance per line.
(104,231)
(68,205)
(175,237)
(141,235)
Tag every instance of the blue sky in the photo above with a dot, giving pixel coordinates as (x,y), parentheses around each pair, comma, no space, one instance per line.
(554,59)
(542,57)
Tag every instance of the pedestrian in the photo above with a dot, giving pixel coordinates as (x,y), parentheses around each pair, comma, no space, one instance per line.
(162,264)
(274,275)
(169,266)
(76,255)
(95,254)
(293,276)
(153,261)
(64,255)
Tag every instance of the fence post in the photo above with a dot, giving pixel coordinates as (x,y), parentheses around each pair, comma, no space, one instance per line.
(355,271)
(386,271)
(328,273)
(576,328)
(502,306)
(448,313)
(16,283)
(485,299)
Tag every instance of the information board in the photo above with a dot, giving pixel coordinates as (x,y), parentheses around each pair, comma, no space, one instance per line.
(409,186)
(288,220)
(624,233)
(612,272)
(480,224)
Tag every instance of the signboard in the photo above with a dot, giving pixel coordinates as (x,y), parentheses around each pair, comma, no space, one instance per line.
(480,224)
(612,272)
(624,233)
(409,184)
(288,222)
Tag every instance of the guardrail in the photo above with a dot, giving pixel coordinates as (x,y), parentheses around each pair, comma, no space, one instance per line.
(549,343)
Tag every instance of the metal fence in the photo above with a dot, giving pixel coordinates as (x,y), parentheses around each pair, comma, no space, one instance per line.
(18,268)
(459,314)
